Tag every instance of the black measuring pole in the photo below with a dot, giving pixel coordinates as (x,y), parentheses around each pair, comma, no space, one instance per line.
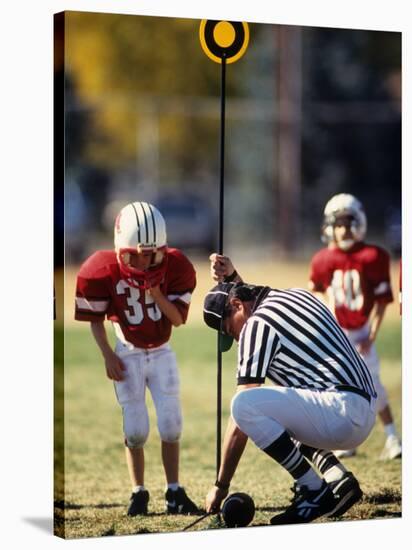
(220,250)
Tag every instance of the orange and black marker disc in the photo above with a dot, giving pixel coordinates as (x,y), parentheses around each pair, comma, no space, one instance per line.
(224,39)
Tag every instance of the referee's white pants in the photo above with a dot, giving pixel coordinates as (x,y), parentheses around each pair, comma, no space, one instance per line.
(322,419)
(372,361)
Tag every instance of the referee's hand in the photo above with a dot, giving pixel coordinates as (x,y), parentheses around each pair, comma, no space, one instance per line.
(220,267)
(214,499)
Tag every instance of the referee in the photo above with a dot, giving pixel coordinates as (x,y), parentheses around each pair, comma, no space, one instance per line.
(323,397)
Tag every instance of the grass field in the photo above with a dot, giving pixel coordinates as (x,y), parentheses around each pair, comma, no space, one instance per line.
(92,487)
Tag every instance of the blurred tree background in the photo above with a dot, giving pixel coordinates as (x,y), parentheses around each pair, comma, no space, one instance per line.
(310,112)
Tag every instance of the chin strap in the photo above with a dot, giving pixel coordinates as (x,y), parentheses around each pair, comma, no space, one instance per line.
(346,244)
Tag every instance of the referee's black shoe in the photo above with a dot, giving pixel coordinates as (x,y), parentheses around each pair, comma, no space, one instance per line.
(307,505)
(347,492)
(177,502)
(138,503)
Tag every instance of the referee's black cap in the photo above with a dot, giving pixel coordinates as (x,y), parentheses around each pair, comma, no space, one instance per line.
(214,307)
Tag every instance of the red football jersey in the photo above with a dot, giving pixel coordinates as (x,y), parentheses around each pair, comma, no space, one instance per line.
(357,279)
(102,293)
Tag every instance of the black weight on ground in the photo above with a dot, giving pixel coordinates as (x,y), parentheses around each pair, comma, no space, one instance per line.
(238,510)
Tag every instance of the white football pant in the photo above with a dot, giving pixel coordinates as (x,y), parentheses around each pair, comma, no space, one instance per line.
(157,369)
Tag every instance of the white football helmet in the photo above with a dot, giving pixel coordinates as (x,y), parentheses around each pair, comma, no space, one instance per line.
(140,227)
(341,205)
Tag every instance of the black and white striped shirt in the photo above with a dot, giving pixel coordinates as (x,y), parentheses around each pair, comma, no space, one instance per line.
(293,339)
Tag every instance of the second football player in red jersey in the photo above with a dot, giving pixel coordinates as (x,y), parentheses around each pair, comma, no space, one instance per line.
(356,278)
(144,288)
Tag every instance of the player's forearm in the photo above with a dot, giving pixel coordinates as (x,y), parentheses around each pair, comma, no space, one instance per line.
(100,336)
(233,446)
(376,320)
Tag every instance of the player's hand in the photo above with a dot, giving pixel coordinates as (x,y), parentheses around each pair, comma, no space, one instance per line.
(220,267)
(114,367)
(155,277)
(214,499)
(364,346)
(154,291)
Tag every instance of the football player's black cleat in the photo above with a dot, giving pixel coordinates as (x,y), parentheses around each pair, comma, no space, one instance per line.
(177,502)
(347,492)
(138,503)
(307,505)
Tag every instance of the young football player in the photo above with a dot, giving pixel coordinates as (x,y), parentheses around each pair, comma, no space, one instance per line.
(144,288)
(355,277)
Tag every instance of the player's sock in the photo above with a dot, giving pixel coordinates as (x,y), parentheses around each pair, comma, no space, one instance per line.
(390,429)
(287,454)
(138,488)
(173,486)
(325,461)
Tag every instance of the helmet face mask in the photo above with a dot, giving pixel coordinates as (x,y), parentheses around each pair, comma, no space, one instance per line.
(157,254)
(344,210)
(141,245)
